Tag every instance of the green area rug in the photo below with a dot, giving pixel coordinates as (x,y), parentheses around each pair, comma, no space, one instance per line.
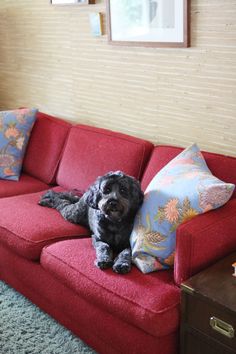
(25,329)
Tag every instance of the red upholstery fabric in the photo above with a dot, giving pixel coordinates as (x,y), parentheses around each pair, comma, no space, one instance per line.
(149,302)
(204,239)
(45,147)
(26,227)
(26,184)
(223,167)
(91,152)
(98,328)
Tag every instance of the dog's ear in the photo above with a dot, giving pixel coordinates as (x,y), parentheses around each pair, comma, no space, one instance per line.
(93,195)
(137,193)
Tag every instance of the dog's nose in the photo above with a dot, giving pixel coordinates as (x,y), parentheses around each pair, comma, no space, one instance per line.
(113,203)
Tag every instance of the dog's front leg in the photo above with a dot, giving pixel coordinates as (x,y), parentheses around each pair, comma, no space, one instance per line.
(122,263)
(69,206)
(104,254)
(57,200)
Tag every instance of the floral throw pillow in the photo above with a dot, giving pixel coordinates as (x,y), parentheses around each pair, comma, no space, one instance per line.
(15,128)
(184,188)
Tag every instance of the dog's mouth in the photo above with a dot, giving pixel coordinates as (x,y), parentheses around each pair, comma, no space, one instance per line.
(114,211)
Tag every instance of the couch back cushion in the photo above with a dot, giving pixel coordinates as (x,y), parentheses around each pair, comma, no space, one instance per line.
(223,167)
(91,152)
(45,147)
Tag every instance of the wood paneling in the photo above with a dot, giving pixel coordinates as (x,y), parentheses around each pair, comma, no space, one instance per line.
(49,59)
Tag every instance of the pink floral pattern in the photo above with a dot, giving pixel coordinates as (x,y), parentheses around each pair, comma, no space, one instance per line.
(171,211)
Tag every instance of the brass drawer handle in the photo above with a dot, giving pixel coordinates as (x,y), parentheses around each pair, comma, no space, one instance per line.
(222,327)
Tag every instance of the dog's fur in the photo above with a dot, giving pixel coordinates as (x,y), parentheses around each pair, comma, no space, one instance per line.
(108,208)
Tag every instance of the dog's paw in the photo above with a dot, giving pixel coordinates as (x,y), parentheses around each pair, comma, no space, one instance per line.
(103,264)
(47,199)
(43,202)
(122,267)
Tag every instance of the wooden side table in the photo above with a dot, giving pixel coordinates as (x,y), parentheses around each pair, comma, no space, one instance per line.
(208,310)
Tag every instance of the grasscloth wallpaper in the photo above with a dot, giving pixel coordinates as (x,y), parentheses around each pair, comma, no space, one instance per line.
(49,59)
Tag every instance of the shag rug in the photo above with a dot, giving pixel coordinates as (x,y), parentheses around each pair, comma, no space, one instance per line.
(25,329)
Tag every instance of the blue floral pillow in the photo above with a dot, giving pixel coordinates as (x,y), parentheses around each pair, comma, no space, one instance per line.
(15,128)
(184,188)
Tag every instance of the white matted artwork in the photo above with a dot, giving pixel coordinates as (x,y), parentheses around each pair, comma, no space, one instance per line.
(95,19)
(148,22)
(64,2)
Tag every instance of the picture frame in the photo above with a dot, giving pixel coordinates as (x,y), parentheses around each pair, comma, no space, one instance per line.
(72,2)
(152,23)
(95,19)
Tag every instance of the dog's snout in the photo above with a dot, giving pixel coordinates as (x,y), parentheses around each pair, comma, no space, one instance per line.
(112,203)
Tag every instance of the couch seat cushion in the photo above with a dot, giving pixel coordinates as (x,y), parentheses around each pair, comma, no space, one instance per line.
(26,227)
(150,302)
(26,184)
(91,152)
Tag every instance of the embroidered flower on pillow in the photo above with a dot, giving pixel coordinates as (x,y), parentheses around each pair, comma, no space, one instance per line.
(15,129)
(184,188)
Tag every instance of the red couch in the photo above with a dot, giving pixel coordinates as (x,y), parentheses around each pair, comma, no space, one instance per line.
(51,261)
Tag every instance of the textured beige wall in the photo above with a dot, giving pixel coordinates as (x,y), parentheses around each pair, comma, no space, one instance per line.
(49,59)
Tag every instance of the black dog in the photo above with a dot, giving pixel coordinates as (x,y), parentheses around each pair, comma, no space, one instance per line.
(108,208)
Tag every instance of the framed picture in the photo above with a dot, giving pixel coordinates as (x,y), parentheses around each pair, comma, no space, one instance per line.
(79,2)
(154,23)
(95,19)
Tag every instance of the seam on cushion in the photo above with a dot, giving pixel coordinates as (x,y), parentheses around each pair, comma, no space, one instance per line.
(141,164)
(55,170)
(37,242)
(203,151)
(130,138)
(169,146)
(190,256)
(53,119)
(110,291)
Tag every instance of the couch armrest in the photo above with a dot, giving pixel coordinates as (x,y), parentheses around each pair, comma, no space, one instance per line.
(204,239)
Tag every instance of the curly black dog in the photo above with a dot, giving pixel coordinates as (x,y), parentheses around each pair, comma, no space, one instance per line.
(108,208)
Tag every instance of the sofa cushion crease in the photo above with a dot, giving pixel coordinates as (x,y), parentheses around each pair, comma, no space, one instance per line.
(26,184)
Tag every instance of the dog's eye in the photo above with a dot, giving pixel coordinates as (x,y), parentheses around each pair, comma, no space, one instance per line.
(107,190)
(123,191)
